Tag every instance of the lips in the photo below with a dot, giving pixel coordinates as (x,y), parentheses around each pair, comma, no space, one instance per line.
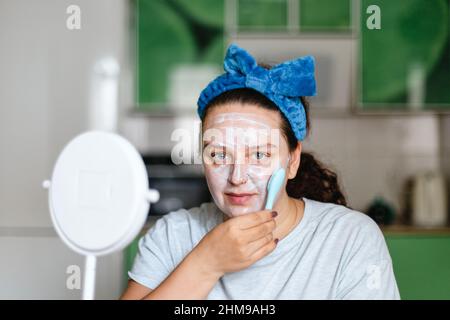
(239,198)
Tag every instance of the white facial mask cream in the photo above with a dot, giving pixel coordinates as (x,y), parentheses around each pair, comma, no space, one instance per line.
(241,151)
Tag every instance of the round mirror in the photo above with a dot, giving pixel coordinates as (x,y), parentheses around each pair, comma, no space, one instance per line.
(99,195)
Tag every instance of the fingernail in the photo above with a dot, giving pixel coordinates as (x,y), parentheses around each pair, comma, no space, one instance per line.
(276,240)
(274,214)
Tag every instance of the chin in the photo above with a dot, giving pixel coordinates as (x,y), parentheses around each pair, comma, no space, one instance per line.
(232,210)
(235,211)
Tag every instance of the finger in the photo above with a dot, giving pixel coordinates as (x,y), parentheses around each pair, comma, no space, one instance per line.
(259,231)
(254,246)
(255,218)
(264,251)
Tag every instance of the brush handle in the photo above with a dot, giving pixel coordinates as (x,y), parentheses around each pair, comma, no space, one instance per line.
(273,187)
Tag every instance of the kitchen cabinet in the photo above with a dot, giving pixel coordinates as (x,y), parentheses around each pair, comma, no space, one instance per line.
(421,259)
(404,64)
(180,44)
(173,38)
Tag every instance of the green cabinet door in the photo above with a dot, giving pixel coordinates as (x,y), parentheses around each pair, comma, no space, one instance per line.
(421,265)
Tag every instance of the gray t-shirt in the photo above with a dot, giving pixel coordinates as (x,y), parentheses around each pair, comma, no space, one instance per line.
(333,253)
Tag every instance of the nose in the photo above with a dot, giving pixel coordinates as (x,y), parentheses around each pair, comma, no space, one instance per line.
(239,174)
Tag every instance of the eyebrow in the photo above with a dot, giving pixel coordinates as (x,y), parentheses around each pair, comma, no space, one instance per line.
(264,145)
(216,145)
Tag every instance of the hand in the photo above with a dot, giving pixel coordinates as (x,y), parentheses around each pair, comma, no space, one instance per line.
(237,243)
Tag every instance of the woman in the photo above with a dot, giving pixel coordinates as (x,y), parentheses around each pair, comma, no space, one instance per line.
(309,246)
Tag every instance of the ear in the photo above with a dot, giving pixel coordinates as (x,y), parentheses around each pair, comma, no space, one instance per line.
(294,162)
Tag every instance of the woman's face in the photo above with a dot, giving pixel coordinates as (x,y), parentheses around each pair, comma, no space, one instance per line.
(242,147)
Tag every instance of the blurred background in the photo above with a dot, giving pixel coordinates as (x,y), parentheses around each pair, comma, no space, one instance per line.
(381,119)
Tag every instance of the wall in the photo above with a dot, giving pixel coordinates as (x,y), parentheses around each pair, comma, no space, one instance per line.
(445,151)
(374,155)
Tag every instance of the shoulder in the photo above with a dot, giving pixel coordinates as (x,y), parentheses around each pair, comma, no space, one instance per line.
(344,221)
(357,245)
(338,215)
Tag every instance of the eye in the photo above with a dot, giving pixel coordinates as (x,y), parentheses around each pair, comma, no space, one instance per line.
(258,155)
(219,156)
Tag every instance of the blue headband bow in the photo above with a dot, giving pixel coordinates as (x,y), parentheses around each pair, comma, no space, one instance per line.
(284,84)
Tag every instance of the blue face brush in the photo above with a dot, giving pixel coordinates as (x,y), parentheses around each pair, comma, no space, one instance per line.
(273,187)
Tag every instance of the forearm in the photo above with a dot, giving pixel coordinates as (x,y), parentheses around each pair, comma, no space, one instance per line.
(188,281)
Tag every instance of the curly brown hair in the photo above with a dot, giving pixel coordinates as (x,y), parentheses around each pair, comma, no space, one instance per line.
(313,180)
